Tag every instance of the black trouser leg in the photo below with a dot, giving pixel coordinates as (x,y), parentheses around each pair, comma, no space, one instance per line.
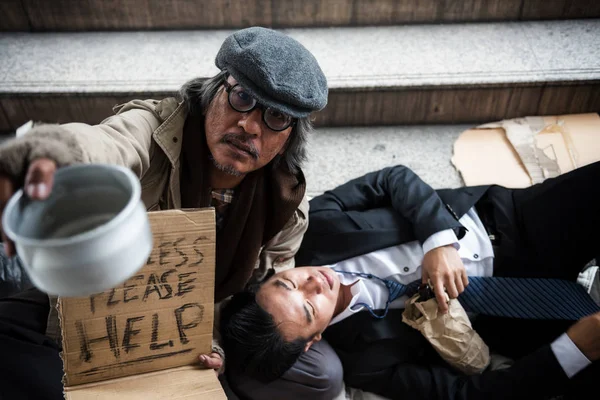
(559,222)
(30,363)
(548,230)
(584,383)
(27,310)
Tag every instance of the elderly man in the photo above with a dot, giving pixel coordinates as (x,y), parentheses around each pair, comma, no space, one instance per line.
(388,228)
(235,142)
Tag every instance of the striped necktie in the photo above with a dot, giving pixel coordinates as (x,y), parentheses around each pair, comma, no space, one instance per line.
(395,290)
(527,298)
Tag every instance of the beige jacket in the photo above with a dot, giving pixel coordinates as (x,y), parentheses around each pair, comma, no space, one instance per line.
(145,136)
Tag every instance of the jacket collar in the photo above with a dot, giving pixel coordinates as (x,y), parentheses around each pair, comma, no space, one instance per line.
(169,135)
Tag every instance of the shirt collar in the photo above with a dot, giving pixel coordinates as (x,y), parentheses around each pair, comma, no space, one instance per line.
(355,290)
(223,195)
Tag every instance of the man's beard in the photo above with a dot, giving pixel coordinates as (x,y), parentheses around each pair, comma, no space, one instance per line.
(228,169)
(241,141)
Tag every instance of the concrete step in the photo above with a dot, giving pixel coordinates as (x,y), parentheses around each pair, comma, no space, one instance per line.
(337,155)
(69,15)
(451,73)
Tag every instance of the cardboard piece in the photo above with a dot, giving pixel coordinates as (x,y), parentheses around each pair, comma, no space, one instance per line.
(158,320)
(519,152)
(175,383)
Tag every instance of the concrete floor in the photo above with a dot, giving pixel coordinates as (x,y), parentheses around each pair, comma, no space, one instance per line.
(337,155)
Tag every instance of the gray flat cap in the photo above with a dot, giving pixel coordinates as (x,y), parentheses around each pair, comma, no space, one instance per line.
(276,69)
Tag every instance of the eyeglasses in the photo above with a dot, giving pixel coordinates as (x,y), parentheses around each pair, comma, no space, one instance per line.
(241,101)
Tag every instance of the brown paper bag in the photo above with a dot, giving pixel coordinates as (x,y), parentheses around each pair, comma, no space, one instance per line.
(450,334)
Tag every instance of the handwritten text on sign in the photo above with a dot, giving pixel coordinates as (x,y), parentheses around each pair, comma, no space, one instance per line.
(161,317)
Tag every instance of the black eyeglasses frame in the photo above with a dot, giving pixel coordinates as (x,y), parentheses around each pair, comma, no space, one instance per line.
(229,88)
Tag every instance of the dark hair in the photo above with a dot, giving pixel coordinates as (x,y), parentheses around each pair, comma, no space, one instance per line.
(198,93)
(252,342)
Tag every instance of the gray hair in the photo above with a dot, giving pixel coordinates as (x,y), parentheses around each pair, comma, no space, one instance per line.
(198,93)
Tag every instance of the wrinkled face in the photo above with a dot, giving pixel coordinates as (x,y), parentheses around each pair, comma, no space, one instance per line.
(301,300)
(240,142)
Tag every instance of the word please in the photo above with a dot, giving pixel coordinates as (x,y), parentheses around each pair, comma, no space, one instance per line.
(147,287)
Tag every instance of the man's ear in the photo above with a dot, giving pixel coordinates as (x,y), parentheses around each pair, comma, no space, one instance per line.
(315,339)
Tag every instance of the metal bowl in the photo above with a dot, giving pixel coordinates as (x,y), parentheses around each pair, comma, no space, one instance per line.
(91,234)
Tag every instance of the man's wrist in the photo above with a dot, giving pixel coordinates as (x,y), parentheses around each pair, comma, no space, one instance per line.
(440,239)
(570,358)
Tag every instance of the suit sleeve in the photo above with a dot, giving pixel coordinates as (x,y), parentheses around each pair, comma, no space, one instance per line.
(537,375)
(398,187)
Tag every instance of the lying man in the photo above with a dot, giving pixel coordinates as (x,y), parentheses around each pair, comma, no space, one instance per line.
(392,225)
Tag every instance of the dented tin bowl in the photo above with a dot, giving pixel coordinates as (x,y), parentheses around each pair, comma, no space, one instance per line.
(91,234)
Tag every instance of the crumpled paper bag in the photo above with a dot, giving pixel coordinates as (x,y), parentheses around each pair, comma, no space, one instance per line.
(450,334)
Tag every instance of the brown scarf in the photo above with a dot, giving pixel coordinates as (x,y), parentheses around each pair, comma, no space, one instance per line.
(265,200)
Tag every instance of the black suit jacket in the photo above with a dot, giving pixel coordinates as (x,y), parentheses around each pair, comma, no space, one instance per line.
(390,207)
(378,210)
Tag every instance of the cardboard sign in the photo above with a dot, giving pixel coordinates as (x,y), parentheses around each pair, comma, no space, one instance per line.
(173,384)
(159,319)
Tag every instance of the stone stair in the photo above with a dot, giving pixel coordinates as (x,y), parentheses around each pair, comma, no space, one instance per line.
(74,15)
(405,74)
(339,154)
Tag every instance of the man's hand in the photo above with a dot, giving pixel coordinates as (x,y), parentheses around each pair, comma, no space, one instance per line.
(443,267)
(212,361)
(586,336)
(38,184)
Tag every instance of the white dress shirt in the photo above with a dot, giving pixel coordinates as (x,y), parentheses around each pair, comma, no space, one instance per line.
(402,263)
